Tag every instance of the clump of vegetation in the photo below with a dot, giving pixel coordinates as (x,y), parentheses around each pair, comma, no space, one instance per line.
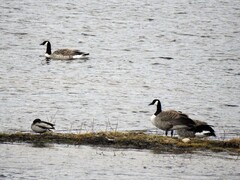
(137,140)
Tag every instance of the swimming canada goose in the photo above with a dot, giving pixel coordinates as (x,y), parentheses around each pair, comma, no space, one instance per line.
(170,120)
(39,126)
(63,54)
(200,127)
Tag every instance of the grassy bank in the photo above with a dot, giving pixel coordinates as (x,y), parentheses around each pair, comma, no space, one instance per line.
(126,140)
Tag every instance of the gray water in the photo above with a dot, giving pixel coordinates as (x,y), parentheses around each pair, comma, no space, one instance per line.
(186,53)
(83,162)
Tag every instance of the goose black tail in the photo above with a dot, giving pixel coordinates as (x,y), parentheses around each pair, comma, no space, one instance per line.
(82,53)
(202,128)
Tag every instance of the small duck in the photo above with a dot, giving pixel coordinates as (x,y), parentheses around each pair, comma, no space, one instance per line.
(63,54)
(39,126)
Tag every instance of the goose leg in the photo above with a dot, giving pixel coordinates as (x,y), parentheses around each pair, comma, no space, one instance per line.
(171,133)
(166,132)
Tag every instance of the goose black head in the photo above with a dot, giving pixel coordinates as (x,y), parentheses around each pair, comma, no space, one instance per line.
(48,51)
(155,102)
(44,42)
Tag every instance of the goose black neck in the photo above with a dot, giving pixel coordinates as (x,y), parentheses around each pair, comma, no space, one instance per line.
(49,48)
(159,109)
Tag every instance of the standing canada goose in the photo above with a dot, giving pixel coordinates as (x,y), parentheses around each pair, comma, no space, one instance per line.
(170,120)
(39,126)
(200,126)
(63,54)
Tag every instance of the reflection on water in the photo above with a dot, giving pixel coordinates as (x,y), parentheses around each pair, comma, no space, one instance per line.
(47,61)
(40,144)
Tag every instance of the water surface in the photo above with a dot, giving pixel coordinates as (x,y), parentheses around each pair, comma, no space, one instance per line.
(84,162)
(184,52)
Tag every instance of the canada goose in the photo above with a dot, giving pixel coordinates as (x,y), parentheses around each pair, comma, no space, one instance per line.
(63,54)
(39,126)
(170,120)
(200,126)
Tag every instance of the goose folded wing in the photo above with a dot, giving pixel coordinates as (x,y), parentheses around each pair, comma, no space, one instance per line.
(171,115)
(168,115)
(65,52)
(198,123)
(182,119)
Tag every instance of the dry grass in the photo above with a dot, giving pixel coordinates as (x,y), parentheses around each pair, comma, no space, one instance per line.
(125,140)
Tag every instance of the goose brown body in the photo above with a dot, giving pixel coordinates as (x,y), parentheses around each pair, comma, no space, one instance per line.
(170,120)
